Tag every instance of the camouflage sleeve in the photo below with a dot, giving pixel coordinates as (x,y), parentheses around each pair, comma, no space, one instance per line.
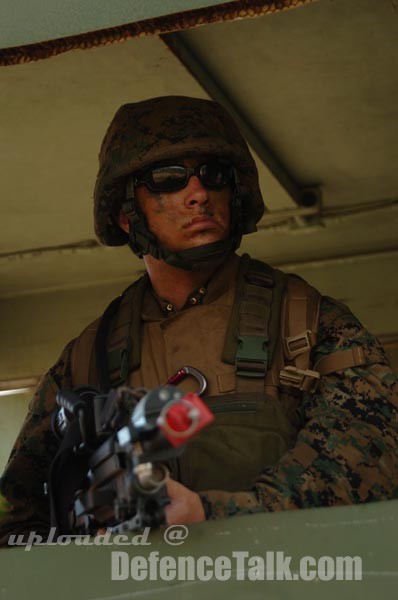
(347,450)
(23,505)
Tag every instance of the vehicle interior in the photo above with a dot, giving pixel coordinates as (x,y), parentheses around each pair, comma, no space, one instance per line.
(313,85)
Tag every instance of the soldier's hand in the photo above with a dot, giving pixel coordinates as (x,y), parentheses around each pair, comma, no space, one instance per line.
(185,506)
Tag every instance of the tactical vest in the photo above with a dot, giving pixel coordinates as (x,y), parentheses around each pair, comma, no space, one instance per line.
(264,368)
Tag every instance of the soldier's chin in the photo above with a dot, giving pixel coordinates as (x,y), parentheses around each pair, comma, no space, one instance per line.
(207,236)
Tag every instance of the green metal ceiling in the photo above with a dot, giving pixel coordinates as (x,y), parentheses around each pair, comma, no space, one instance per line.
(318,86)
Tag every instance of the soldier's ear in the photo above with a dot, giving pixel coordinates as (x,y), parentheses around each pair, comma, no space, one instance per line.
(123,221)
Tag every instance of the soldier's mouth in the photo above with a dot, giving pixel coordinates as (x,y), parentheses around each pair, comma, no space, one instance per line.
(202,221)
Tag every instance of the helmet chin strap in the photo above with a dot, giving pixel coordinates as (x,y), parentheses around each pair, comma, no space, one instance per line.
(200,258)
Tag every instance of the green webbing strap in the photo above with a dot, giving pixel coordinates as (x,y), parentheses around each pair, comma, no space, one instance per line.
(231,338)
(254,324)
(252,353)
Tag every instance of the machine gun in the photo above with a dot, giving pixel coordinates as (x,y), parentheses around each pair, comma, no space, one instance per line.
(111,468)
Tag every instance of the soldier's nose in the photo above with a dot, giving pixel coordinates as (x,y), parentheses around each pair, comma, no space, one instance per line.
(196,193)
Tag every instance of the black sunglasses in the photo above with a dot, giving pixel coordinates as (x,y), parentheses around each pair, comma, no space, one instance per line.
(213,175)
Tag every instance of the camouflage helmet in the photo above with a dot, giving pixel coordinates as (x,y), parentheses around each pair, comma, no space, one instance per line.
(167,127)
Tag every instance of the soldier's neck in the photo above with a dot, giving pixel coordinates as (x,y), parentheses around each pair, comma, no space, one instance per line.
(173,284)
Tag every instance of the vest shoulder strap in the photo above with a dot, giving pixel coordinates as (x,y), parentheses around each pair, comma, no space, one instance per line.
(83,371)
(299,329)
(299,332)
(254,321)
(104,353)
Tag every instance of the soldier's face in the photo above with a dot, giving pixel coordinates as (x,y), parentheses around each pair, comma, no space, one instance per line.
(187,218)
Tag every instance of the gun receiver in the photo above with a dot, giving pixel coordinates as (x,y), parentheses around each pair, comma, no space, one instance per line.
(114,453)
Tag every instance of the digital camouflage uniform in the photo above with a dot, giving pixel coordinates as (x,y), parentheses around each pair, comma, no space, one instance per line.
(337,446)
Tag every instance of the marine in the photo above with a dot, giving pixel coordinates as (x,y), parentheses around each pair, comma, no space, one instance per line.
(304,397)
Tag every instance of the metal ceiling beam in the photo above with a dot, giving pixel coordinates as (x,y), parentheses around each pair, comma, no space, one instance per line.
(307,196)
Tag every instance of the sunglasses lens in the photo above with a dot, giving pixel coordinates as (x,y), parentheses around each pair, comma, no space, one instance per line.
(171,178)
(168,178)
(215,175)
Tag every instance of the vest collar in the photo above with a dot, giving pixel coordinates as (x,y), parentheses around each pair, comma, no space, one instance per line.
(156,308)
